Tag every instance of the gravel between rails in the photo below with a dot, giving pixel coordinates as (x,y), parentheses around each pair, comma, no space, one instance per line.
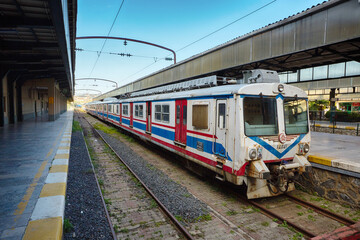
(84,207)
(175,197)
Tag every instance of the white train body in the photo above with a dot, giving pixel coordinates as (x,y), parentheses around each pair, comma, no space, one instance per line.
(254,134)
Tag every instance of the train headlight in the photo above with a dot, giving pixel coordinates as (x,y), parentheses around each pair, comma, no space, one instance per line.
(306,148)
(303,148)
(280,87)
(252,153)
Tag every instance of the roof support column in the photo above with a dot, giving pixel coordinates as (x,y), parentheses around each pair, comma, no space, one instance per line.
(52,99)
(2,75)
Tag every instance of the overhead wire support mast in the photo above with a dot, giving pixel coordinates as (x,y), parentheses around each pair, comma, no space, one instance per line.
(100,79)
(131,40)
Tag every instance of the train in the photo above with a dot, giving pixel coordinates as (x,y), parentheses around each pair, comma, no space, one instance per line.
(253,130)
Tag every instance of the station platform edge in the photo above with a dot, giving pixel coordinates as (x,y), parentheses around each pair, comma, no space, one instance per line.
(46,221)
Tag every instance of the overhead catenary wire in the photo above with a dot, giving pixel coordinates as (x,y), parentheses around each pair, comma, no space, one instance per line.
(112,25)
(202,38)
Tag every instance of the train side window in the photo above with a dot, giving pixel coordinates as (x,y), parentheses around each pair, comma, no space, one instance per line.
(126,110)
(136,110)
(178,114)
(117,109)
(141,111)
(158,112)
(165,113)
(200,116)
(222,115)
(185,115)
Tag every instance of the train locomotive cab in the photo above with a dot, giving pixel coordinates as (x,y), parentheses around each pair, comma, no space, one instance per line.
(274,127)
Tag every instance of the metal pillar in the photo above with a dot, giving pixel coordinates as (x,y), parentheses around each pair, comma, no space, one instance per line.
(332,105)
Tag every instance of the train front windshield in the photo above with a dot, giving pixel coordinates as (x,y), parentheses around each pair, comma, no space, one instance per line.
(260,116)
(296,117)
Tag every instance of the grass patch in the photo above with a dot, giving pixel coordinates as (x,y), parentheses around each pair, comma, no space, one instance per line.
(153,204)
(300,213)
(101,182)
(265,224)
(76,127)
(231,212)
(116,228)
(202,218)
(124,230)
(297,236)
(311,217)
(179,218)
(107,201)
(68,227)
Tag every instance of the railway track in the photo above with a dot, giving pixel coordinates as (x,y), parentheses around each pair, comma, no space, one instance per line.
(172,218)
(294,224)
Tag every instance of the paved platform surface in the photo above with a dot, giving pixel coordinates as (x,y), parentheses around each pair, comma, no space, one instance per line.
(27,151)
(335,150)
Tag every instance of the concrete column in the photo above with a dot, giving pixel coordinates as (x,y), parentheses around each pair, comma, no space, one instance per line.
(51,94)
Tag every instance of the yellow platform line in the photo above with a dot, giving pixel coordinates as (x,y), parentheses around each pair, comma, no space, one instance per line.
(58,168)
(48,228)
(62,156)
(53,189)
(320,160)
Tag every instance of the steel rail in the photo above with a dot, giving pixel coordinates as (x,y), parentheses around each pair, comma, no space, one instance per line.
(322,211)
(99,189)
(277,216)
(163,208)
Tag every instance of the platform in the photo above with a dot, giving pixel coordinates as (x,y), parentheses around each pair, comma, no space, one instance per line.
(336,151)
(33,173)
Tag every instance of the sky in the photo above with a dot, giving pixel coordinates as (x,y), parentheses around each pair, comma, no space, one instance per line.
(173,24)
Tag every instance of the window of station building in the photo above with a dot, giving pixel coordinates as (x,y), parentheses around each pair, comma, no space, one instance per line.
(162,113)
(321,72)
(125,110)
(283,77)
(306,74)
(139,110)
(352,68)
(200,116)
(336,70)
(292,77)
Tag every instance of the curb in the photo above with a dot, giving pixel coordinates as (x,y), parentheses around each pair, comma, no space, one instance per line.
(335,163)
(334,126)
(46,221)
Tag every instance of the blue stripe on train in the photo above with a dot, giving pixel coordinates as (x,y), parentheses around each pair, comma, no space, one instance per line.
(275,152)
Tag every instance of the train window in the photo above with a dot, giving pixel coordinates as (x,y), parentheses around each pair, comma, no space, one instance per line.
(126,110)
(105,107)
(178,114)
(110,108)
(296,120)
(185,115)
(165,113)
(200,116)
(221,116)
(139,111)
(260,116)
(158,113)
(117,109)
(162,112)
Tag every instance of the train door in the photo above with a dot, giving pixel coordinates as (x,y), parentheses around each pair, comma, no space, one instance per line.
(220,128)
(131,115)
(120,113)
(148,117)
(180,121)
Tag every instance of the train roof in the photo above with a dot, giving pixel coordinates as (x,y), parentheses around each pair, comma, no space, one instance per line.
(266,89)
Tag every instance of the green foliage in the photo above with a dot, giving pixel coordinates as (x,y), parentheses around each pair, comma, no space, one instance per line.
(318,105)
(202,218)
(68,227)
(342,116)
(265,224)
(76,126)
(297,236)
(231,212)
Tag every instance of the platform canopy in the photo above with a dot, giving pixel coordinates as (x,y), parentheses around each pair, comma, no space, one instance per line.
(37,40)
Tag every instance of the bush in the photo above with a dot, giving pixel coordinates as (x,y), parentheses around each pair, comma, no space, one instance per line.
(341,116)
